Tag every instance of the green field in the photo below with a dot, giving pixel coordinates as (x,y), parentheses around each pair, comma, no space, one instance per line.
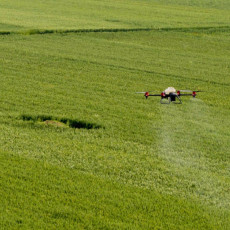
(79,149)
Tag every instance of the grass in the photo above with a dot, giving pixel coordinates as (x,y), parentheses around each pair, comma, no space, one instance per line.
(86,201)
(91,14)
(151,166)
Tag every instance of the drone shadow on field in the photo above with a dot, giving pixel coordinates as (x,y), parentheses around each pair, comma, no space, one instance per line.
(60,122)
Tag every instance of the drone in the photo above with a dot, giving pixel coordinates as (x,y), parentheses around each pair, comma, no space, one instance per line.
(171,94)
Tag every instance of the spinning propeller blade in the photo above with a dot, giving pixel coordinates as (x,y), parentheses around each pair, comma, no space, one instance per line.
(145,92)
(185,91)
(190,91)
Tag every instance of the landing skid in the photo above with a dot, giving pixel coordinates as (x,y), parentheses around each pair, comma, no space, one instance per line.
(170,99)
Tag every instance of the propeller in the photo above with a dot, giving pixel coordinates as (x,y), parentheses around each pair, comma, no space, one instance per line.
(185,91)
(146,92)
(190,91)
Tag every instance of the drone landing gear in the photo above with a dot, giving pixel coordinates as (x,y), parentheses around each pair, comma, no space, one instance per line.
(171,98)
(180,102)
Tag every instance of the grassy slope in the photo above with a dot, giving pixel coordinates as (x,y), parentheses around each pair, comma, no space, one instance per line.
(49,196)
(84,14)
(68,76)
(216,4)
(147,168)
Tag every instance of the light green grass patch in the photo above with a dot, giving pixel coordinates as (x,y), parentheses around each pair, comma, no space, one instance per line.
(90,14)
(69,199)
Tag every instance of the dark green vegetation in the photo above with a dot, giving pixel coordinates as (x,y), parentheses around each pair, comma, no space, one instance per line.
(146,165)
(69,122)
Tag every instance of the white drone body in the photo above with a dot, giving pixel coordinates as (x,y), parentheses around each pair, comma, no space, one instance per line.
(170,90)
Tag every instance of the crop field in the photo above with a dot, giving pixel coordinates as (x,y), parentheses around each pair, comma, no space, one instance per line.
(79,149)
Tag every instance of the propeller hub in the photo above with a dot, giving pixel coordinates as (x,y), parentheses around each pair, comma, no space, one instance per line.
(163,94)
(146,94)
(194,93)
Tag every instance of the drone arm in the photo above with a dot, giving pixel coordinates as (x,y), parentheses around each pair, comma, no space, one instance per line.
(189,94)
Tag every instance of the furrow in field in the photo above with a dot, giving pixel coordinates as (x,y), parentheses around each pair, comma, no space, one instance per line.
(208,29)
(160,74)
